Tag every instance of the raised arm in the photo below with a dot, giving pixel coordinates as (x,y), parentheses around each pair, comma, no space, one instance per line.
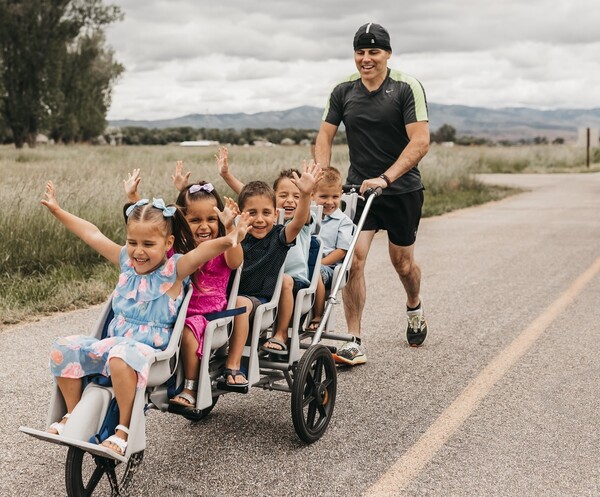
(324,143)
(88,232)
(180,180)
(311,175)
(235,255)
(222,157)
(130,185)
(190,262)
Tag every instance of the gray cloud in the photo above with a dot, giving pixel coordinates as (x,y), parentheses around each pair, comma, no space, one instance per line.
(234,56)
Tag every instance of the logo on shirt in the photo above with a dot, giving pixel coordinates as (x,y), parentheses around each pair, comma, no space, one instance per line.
(389,90)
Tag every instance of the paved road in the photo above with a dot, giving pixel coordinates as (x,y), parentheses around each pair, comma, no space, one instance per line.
(468,414)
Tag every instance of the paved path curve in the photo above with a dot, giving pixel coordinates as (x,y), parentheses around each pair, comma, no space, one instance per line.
(503,399)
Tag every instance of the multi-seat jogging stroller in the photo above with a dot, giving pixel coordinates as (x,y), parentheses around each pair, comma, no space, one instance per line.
(308,373)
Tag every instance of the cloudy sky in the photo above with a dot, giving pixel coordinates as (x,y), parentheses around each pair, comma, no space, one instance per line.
(225,56)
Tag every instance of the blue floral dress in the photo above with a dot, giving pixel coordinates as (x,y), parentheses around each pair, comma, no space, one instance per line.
(144,316)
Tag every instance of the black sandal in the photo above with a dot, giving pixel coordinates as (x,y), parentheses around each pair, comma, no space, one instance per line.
(233,373)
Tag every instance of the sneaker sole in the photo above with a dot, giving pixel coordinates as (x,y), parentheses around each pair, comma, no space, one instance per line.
(349,362)
(415,339)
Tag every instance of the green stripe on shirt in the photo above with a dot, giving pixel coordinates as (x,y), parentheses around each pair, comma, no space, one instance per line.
(417,90)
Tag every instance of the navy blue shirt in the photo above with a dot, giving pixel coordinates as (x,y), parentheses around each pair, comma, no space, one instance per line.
(263,258)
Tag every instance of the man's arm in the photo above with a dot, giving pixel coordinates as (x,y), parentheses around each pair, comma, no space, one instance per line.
(324,143)
(418,146)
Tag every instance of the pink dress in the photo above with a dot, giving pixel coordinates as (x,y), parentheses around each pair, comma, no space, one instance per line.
(209,295)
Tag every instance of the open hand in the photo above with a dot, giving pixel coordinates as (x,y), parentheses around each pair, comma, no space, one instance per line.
(49,199)
(180,180)
(130,185)
(222,157)
(229,213)
(311,175)
(243,226)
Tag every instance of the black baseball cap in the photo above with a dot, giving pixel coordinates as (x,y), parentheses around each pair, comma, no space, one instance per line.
(372,35)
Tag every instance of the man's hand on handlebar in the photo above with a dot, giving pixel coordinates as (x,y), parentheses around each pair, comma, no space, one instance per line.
(372,184)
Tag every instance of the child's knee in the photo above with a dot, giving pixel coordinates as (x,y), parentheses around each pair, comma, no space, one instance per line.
(287,283)
(117,365)
(189,339)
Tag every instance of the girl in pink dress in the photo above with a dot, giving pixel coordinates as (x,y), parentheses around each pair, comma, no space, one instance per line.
(200,203)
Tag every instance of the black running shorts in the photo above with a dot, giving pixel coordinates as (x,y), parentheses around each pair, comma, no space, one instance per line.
(399,215)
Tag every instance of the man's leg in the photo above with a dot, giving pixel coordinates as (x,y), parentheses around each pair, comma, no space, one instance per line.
(409,271)
(410,275)
(351,353)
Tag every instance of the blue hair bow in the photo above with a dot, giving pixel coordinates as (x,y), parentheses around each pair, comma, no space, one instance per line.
(158,203)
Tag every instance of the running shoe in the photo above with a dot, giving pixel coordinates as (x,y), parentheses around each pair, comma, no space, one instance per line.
(350,354)
(416,331)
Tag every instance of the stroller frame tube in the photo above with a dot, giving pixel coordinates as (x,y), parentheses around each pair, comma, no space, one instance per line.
(332,300)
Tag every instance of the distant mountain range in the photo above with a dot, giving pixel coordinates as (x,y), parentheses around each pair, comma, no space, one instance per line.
(508,123)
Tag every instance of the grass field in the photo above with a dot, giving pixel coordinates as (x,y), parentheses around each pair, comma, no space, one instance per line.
(44,269)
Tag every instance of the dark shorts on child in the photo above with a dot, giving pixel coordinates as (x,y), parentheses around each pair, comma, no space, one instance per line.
(327,276)
(256,301)
(399,215)
(299,285)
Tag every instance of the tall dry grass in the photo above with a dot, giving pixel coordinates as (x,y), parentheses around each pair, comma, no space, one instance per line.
(43,268)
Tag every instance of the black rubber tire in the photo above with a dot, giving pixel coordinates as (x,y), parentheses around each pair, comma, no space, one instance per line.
(199,414)
(313,393)
(81,465)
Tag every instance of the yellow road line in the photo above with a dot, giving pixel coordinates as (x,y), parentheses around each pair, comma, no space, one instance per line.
(407,467)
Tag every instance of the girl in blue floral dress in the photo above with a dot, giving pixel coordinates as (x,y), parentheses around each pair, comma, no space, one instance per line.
(145,302)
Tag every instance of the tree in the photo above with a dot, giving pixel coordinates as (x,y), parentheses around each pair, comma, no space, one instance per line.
(445,133)
(85,90)
(36,38)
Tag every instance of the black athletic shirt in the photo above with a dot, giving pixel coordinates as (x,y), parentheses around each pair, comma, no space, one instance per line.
(375,125)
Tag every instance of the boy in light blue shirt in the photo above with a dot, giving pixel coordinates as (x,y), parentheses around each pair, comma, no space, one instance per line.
(336,235)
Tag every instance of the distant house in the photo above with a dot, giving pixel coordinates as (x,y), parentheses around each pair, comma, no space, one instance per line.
(41,139)
(262,143)
(288,141)
(199,143)
(113,136)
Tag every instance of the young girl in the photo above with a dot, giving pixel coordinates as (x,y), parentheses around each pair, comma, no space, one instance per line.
(145,302)
(198,202)
(287,196)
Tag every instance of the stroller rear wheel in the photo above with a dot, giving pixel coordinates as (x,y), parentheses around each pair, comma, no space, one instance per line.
(313,393)
(84,473)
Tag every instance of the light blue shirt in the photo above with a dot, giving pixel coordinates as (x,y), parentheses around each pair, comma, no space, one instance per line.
(336,232)
(296,262)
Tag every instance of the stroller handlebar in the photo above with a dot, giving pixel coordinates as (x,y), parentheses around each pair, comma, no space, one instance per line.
(356,189)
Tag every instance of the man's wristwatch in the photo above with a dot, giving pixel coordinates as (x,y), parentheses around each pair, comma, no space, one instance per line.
(386,179)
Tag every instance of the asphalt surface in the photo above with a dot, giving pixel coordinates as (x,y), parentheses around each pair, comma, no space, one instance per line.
(488,273)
